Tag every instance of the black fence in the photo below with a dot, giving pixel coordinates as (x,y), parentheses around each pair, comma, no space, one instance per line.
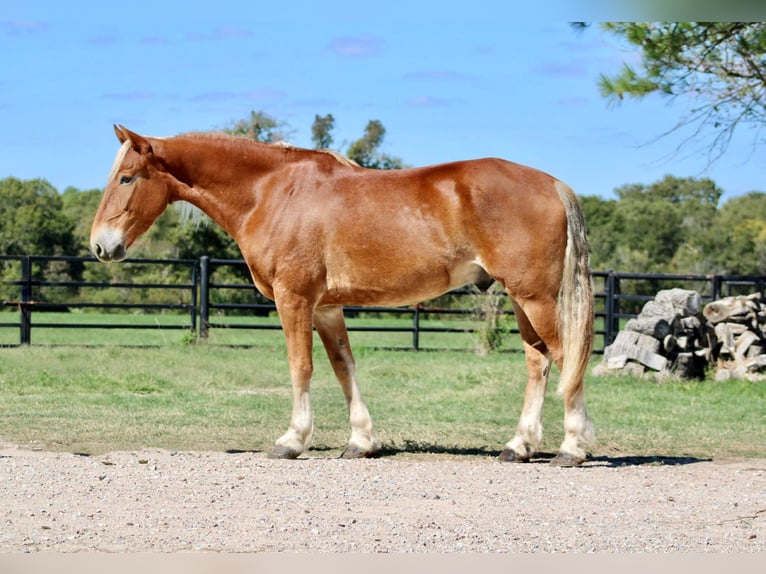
(203,300)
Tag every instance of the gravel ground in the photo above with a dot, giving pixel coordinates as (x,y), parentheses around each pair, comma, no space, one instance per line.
(160,501)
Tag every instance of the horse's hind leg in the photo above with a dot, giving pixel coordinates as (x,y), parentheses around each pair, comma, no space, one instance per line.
(529,431)
(542,346)
(332,330)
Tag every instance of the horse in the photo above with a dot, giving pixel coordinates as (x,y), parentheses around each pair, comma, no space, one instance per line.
(318,231)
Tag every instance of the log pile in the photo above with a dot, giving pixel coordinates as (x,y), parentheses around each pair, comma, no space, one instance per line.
(672,336)
(668,338)
(739,324)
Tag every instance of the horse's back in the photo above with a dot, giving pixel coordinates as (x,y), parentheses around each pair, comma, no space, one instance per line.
(407,235)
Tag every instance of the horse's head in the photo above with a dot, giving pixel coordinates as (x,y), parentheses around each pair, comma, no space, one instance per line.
(136,194)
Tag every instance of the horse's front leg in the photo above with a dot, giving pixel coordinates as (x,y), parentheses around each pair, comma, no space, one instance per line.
(332,329)
(295,314)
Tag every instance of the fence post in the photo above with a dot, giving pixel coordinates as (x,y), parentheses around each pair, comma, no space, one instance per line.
(204,294)
(194,281)
(609,318)
(616,310)
(25,309)
(717,284)
(416,328)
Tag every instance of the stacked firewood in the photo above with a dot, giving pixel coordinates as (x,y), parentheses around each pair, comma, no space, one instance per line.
(668,338)
(673,337)
(739,325)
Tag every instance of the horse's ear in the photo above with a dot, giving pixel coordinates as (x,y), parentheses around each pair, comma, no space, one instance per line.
(118,132)
(137,142)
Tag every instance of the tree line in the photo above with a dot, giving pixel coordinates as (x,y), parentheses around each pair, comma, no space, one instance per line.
(675,225)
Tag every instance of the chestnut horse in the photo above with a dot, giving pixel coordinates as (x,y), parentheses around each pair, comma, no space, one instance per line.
(318,231)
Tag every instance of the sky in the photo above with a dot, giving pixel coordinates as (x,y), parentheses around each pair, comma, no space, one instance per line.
(449,81)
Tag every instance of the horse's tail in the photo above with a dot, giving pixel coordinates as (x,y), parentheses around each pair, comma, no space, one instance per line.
(575,299)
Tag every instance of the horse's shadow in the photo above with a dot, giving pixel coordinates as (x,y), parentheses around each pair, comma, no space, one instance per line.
(644,460)
(542,457)
(416,448)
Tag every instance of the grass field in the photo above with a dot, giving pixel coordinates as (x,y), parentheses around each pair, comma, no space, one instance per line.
(203,396)
(163,329)
(82,328)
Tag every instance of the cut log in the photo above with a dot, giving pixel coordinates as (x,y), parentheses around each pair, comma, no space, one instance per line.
(689,366)
(686,302)
(665,310)
(691,324)
(726,334)
(755,350)
(654,326)
(626,341)
(743,343)
(652,360)
(735,308)
(756,363)
(616,362)
(634,369)
(630,345)
(669,343)
(722,374)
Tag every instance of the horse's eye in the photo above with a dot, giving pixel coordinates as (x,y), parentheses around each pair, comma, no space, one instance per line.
(126,179)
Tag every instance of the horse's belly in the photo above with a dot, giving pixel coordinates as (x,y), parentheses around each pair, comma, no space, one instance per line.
(397,287)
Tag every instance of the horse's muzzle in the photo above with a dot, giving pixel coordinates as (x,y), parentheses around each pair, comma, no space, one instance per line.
(108,245)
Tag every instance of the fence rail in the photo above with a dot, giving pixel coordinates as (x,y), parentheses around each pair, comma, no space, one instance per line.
(206,301)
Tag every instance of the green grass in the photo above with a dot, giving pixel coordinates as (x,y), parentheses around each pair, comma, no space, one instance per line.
(206,396)
(51,328)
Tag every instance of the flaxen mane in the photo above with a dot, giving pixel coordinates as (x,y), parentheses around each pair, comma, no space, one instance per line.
(212,136)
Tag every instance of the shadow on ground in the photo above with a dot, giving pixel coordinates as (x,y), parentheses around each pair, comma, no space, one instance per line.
(539,458)
(415,448)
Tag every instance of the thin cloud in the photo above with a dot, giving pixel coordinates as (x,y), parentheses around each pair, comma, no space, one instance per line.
(573,69)
(22,28)
(102,40)
(573,102)
(428,102)
(314,103)
(130,96)
(357,46)
(437,75)
(232,32)
(154,41)
(225,33)
(265,94)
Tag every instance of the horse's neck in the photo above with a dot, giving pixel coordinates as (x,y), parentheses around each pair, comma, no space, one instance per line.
(215,178)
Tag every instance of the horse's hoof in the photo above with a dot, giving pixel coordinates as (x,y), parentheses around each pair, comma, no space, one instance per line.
(509,455)
(284,452)
(356,452)
(566,460)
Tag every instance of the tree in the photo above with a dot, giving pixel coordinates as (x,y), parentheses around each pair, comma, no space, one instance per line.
(740,235)
(321,131)
(80,208)
(661,227)
(604,224)
(261,127)
(720,66)
(32,221)
(364,151)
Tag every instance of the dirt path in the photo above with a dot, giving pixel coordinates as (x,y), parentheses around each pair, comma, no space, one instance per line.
(159,501)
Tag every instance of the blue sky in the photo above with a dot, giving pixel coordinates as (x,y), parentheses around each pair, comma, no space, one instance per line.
(448,83)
